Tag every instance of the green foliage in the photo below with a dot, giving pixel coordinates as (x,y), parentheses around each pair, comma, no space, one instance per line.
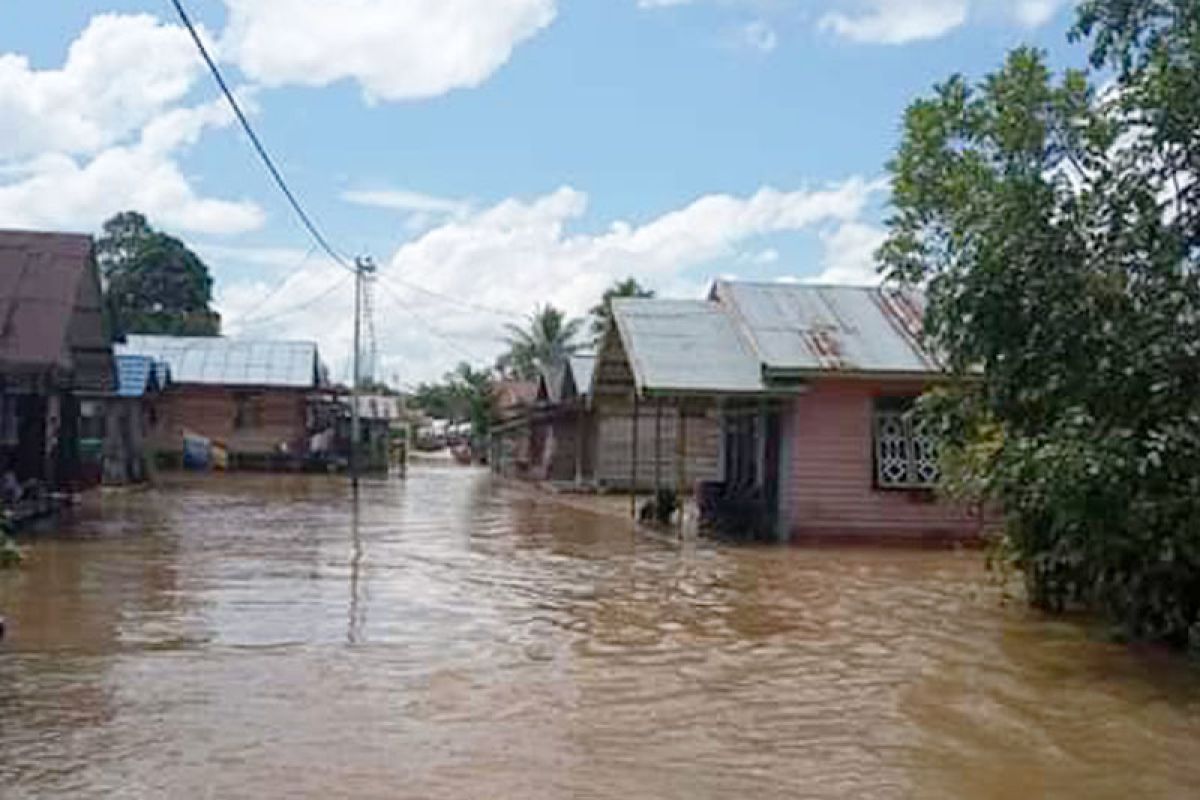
(464,395)
(154,283)
(601,313)
(548,340)
(1054,229)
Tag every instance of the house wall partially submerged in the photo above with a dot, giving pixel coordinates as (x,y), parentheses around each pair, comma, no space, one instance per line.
(830,488)
(249,422)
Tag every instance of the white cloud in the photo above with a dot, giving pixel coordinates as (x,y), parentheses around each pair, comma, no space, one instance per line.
(121,72)
(394,50)
(405,200)
(58,191)
(518,253)
(897,21)
(662,3)
(849,254)
(1035,13)
(103,133)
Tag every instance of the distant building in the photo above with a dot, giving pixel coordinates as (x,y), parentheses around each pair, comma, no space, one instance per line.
(562,429)
(56,361)
(249,397)
(131,415)
(793,402)
(512,448)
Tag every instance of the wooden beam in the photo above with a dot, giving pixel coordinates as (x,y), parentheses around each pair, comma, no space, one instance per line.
(633,463)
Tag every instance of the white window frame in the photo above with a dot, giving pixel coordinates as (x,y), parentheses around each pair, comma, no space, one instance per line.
(894,429)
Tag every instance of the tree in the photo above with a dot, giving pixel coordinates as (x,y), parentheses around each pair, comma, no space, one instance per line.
(601,313)
(548,341)
(463,395)
(154,283)
(1054,229)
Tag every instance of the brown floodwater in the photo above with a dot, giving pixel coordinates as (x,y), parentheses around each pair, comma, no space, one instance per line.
(254,637)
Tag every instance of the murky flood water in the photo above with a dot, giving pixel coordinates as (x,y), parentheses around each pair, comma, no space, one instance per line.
(248,637)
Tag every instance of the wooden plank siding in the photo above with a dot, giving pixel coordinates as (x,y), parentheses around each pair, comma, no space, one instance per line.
(830,490)
(271,417)
(614,446)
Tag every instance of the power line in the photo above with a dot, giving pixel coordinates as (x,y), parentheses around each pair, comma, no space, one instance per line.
(277,288)
(255,322)
(467,304)
(433,331)
(258,145)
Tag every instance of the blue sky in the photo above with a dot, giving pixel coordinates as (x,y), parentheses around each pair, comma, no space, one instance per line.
(500,152)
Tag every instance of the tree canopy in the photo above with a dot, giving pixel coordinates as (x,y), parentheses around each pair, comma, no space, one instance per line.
(601,313)
(1054,228)
(154,283)
(463,395)
(548,340)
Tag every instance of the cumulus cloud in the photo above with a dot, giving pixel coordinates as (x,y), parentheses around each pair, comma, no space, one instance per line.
(121,72)
(519,253)
(849,254)
(395,51)
(59,191)
(103,133)
(897,21)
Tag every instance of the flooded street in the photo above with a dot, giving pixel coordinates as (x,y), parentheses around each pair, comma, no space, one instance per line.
(248,637)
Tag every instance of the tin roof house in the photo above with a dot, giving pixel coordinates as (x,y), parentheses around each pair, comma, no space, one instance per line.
(55,352)
(807,389)
(249,396)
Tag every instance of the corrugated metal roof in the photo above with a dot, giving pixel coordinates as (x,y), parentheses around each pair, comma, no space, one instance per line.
(582,368)
(230,362)
(41,291)
(806,328)
(685,346)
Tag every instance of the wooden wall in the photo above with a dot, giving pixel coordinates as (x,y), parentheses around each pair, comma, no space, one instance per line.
(271,417)
(829,491)
(614,445)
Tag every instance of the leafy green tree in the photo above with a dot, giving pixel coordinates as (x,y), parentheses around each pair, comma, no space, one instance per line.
(601,313)
(549,340)
(153,282)
(463,395)
(1054,229)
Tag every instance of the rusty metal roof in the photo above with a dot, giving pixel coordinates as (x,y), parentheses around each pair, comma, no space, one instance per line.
(799,328)
(231,362)
(40,292)
(685,346)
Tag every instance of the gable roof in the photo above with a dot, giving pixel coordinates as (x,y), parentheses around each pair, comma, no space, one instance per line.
(582,369)
(217,361)
(682,346)
(571,379)
(799,329)
(51,309)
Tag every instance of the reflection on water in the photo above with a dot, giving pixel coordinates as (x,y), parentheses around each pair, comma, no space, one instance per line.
(257,637)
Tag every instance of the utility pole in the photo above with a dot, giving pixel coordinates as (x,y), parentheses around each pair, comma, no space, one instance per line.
(363,269)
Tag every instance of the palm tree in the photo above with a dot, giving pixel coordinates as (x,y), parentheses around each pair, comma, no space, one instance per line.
(602,312)
(547,342)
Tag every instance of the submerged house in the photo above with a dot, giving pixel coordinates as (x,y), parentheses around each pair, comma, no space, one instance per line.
(249,397)
(664,369)
(512,445)
(808,389)
(562,427)
(130,416)
(56,359)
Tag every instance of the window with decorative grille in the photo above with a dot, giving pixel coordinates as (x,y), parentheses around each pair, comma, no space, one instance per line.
(905,451)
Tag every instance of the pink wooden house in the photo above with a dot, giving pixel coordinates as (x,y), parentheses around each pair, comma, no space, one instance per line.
(817,442)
